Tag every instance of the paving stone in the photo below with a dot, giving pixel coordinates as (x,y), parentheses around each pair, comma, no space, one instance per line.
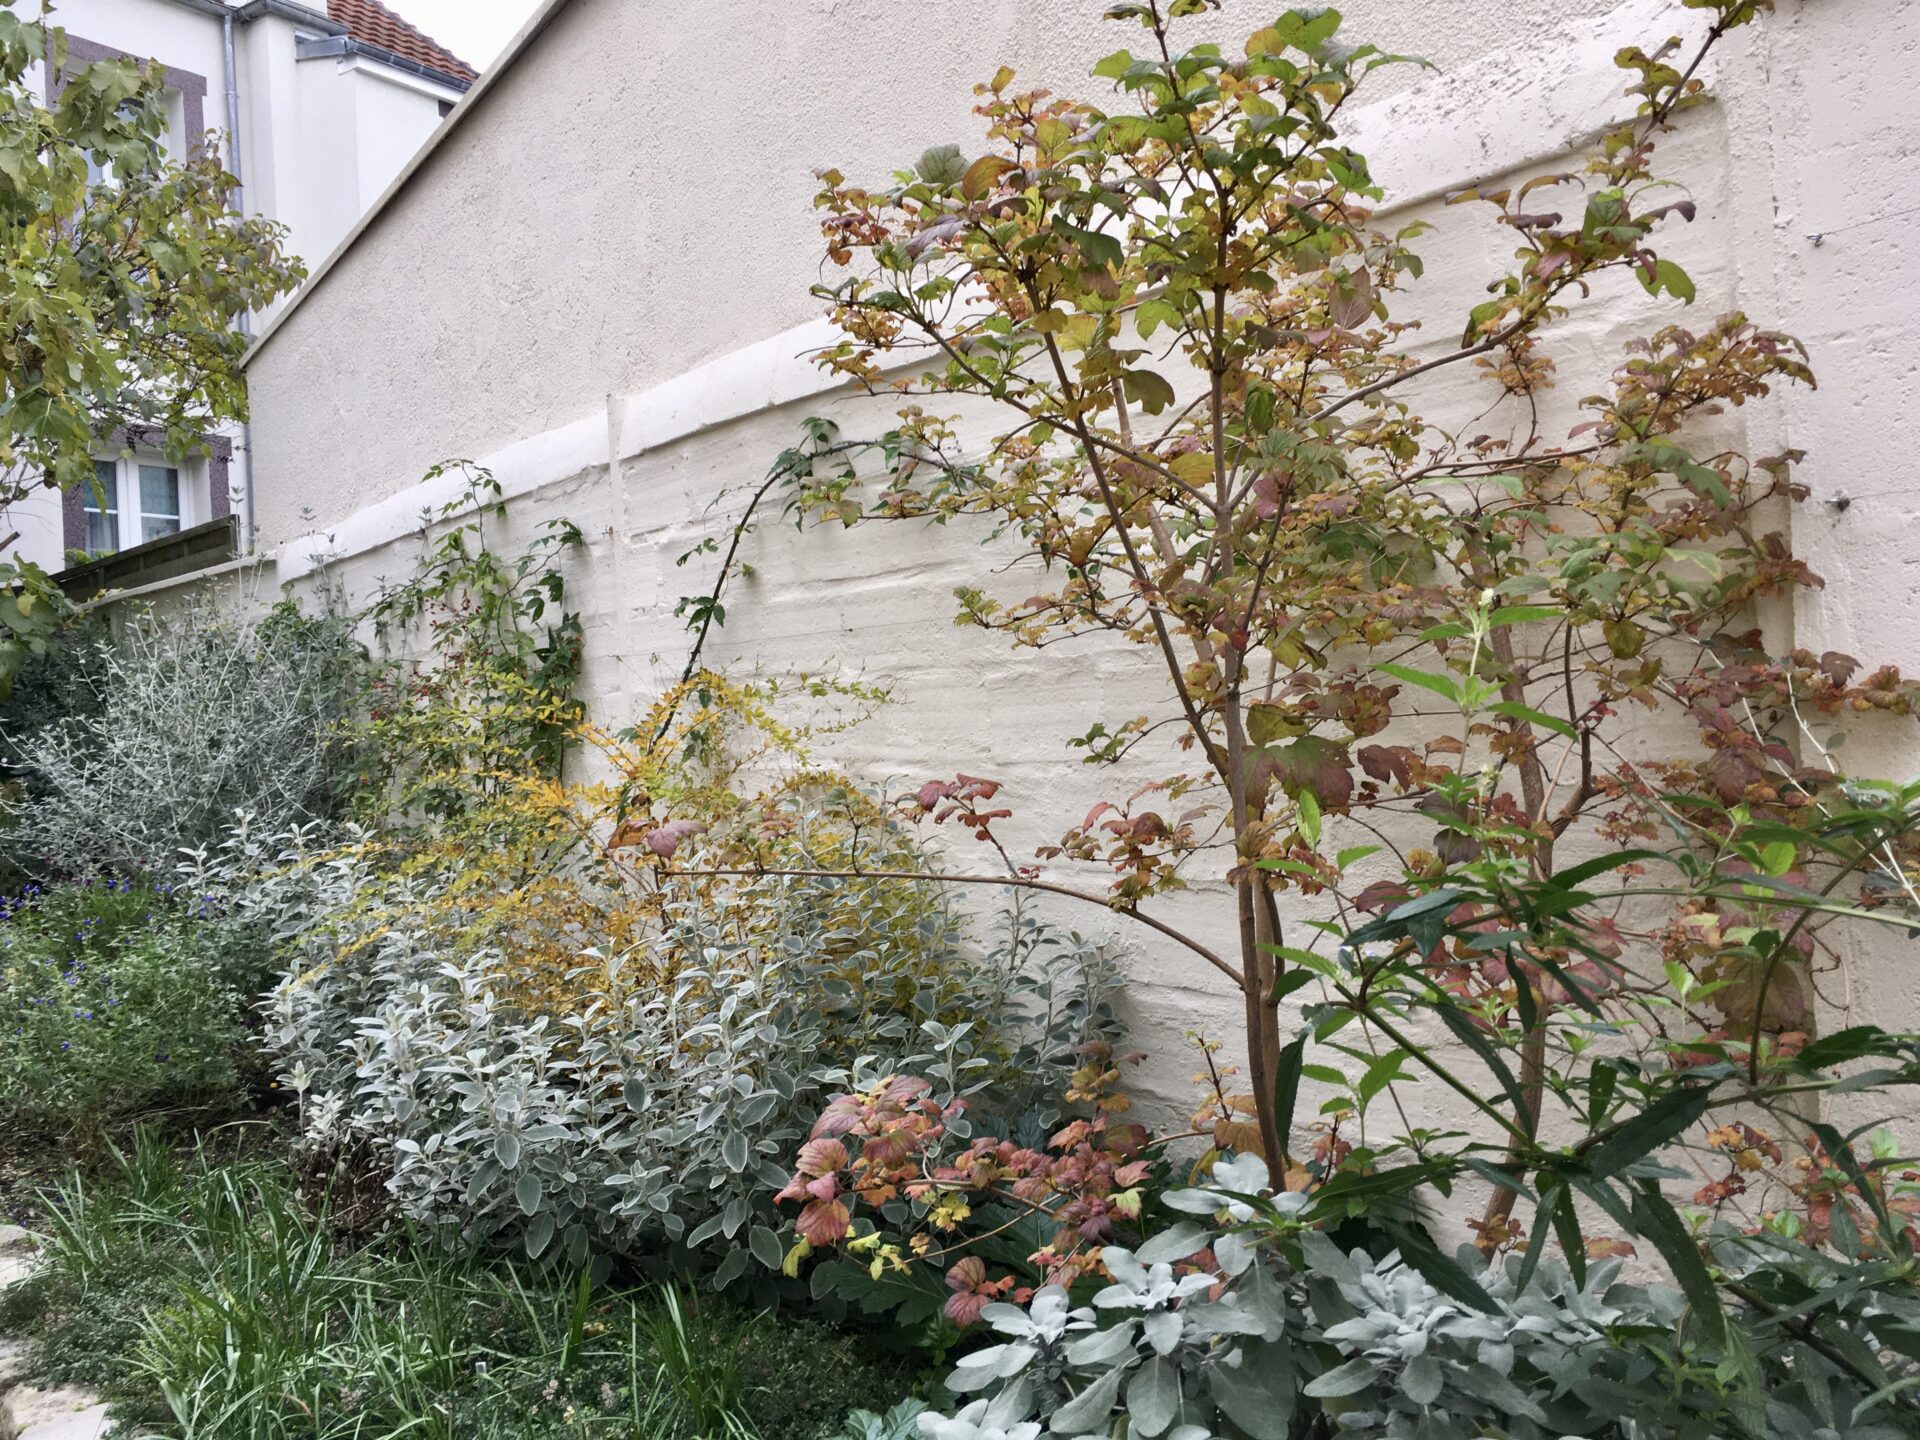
(14,1268)
(63,1414)
(88,1424)
(13,1362)
(12,1235)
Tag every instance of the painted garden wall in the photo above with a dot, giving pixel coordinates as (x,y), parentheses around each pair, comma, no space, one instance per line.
(597,285)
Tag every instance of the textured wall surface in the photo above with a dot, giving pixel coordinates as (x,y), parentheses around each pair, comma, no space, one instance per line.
(591,286)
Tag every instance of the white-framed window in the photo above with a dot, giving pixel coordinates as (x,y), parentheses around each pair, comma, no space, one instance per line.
(135,498)
(171,136)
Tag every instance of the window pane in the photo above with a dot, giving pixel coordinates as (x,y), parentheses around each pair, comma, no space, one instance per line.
(103,524)
(159,501)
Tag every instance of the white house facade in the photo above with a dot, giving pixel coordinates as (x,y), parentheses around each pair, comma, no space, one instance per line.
(315,110)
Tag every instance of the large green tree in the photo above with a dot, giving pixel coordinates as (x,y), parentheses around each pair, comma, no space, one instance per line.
(125,272)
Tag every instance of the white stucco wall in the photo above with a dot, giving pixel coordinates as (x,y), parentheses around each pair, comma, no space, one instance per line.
(593,285)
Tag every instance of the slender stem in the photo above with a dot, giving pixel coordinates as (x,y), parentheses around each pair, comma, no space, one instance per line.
(1419,1053)
(1017,882)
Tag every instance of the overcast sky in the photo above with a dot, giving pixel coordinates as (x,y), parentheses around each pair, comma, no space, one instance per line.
(475,30)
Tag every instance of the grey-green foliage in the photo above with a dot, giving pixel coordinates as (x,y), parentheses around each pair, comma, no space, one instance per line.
(661,1105)
(181,721)
(1287,1335)
(902,1422)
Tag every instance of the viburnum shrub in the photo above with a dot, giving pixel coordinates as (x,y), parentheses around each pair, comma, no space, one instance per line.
(1488,709)
(895,1176)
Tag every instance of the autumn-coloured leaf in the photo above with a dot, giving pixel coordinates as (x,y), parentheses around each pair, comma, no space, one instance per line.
(822,1157)
(1353,303)
(982,174)
(1268,722)
(821,1222)
(664,840)
(1312,763)
(1387,762)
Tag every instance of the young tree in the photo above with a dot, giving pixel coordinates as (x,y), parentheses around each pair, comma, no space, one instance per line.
(1188,314)
(126,272)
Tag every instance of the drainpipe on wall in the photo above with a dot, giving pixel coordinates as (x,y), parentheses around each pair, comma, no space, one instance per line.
(246,320)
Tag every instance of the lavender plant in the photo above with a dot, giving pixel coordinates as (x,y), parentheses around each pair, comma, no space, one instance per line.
(118,997)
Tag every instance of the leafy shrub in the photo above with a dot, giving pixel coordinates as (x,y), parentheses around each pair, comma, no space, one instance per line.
(1250,1322)
(902,1156)
(480,657)
(117,997)
(1423,669)
(902,1422)
(522,1082)
(180,722)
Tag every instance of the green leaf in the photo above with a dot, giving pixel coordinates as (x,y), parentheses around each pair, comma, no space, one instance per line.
(1176,1242)
(1671,1115)
(1521,614)
(1852,1043)
(1257,1394)
(1153,1397)
(1087,1412)
(1147,390)
(1348,1379)
(539,1234)
(941,165)
(1575,875)
(1422,919)
(765,1246)
(1839,1150)
(527,1193)
(1441,1271)
(1307,28)
(1098,248)
(1291,980)
(1286,1084)
(1382,1072)
(1671,278)
(1536,1240)
(1566,1225)
(1439,684)
(1469,1034)
(1514,710)
(1660,1223)
(1307,816)
(912,1296)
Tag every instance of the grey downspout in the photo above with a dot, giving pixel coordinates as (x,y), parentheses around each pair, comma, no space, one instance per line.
(246,319)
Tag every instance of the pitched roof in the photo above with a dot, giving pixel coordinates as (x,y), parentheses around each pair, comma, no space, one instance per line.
(374,24)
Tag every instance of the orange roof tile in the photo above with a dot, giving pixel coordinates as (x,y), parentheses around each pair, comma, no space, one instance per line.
(374,24)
